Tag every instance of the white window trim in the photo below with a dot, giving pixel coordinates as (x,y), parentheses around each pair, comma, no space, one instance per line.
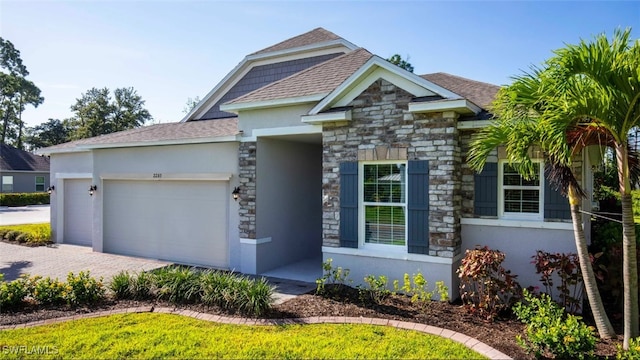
(539,216)
(6,183)
(362,213)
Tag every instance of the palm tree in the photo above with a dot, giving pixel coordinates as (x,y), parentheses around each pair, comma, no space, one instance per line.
(587,93)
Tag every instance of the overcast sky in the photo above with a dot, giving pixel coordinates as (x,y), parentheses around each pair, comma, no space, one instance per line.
(172,50)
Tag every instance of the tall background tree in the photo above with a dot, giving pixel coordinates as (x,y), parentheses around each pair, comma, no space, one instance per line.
(52,132)
(97,113)
(191,104)
(399,61)
(16,93)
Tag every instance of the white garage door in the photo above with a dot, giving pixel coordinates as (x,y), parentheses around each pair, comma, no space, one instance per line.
(77,212)
(181,221)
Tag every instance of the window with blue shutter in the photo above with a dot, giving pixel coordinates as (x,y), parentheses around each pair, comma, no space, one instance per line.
(485,194)
(556,206)
(418,207)
(349,204)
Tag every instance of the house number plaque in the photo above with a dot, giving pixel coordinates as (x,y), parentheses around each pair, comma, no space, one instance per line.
(157,175)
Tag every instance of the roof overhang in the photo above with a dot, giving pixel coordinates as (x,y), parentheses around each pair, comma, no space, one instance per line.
(372,70)
(473,124)
(254,105)
(461,106)
(89,147)
(330,117)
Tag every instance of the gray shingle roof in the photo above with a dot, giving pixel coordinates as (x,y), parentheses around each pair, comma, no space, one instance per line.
(314,36)
(319,79)
(480,93)
(156,133)
(20,160)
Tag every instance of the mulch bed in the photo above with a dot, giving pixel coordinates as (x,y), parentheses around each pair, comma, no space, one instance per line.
(499,334)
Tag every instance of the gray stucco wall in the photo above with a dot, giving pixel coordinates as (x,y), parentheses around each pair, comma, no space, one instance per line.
(272,118)
(288,202)
(24,181)
(519,244)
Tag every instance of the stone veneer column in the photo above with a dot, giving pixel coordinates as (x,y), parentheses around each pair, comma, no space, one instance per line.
(380,119)
(247,198)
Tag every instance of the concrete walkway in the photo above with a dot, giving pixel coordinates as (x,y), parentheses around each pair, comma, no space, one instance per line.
(463,339)
(31,214)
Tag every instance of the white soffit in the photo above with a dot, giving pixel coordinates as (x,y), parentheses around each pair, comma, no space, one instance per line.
(336,116)
(461,106)
(473,124)
(374,69)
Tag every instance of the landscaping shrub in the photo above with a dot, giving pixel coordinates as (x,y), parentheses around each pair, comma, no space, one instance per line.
(50,291)
(550,329)
(84,289)
(24,199)
(486,287)
(13,293)
(331,275)
(376,289)
(141,286)
(236,293)
(178,284)
(631,354)
(417,288)
(257,298)
(567,269)
(120,285)
(31,234)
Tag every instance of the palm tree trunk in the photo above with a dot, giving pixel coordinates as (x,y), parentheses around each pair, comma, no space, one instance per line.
(603,324)
(629,256)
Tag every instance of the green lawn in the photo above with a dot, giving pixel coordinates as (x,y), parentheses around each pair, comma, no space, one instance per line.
(150,335)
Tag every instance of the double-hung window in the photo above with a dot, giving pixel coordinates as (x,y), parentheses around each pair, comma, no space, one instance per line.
(384,204)
(39,183)
(7,183)
(520,198)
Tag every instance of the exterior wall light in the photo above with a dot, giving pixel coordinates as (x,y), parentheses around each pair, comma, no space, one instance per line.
(92,189)
(236,193)
(50,189)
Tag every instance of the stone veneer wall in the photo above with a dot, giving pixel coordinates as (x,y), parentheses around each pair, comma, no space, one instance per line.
(382,124)
(247,198)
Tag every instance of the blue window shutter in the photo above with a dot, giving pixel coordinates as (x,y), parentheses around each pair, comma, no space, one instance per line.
(556,206)
(485,201)
(418,207)
(349,204)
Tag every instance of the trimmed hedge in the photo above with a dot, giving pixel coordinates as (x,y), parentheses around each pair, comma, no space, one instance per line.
(24,199)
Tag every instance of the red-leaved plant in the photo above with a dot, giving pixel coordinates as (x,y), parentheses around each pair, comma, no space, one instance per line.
(486,288)
(566,268)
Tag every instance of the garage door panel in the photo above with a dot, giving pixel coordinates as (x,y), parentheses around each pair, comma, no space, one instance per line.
(182,221)
(77,212)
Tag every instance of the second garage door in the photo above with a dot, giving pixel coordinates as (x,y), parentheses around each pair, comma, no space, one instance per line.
(181,221)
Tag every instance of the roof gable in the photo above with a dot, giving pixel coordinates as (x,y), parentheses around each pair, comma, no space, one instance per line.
(20,160)
(317,35)
(312,84)
(374,69)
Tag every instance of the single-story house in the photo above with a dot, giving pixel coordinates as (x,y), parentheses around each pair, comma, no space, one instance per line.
(310,149)
(22,171)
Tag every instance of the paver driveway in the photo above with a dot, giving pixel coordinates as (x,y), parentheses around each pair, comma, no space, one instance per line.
(58,260)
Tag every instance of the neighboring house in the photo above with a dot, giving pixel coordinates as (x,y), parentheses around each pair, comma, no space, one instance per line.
(22,171)
(333,152)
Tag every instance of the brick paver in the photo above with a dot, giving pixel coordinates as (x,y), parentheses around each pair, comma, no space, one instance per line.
(58,260)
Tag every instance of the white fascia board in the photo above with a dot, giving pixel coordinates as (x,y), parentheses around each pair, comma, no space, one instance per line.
(74,149)
(265,104)
(326,117)
(462,106)
(286,130)
(217,139)
(302,49)
(378,67)
(73,175)
(473,124)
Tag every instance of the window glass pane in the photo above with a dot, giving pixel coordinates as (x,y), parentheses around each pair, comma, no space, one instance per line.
(7,183)
(39,183)
(520,195)
(385,225)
